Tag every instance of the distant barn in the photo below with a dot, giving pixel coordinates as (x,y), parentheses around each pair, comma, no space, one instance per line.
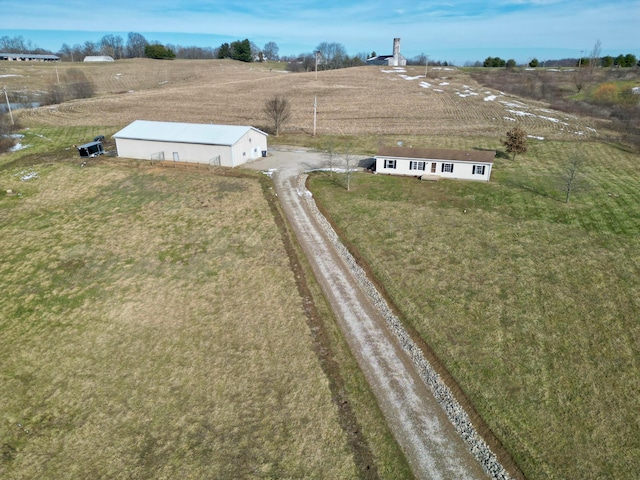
(28,57)
(395,60)
(98,58)
(223,145)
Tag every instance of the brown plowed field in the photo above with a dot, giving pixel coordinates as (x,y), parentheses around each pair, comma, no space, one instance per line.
(363,100)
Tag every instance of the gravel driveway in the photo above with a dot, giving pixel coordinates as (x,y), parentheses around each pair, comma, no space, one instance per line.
(431,428)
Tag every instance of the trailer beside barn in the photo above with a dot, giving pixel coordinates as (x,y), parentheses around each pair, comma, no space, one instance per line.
(91,149)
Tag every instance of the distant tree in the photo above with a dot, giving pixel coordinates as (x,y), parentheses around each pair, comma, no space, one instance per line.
(333,55)
(516,141)
(511,64)
(494,62)
(241,50)
(278,111)
(135,45)
(224,51)
(270,51)
(606,61)
(534,63)
(594,56)
(582,73)
(112,45)
(373,54)
(256,53)
(15,44)
(66,52)
(159,52)
(628,60)
(90,48)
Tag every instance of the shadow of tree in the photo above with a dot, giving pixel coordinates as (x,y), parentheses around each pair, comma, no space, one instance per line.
(543,186)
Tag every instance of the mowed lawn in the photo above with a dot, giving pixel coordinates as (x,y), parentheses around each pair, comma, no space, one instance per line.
(150,327)
(532,304)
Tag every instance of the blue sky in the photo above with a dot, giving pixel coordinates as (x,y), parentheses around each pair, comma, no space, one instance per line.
(455,31)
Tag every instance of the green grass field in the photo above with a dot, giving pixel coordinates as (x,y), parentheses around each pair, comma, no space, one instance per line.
(151,328)
(531,303)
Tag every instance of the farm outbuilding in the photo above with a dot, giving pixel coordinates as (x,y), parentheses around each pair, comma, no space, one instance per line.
(432,164)
(98,58)
(220,145)
(395,60)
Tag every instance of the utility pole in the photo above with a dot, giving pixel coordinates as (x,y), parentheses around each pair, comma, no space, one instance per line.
(426,66)
(315,110)
(8,105)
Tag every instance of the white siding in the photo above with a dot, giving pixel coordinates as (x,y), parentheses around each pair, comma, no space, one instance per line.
(187,152)
(192,143)
(461,170)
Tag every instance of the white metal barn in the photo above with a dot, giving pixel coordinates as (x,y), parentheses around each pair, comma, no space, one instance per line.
(432,164)
(98,58)
(223,145)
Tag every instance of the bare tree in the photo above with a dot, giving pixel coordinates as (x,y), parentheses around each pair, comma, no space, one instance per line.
(572,178)
(349,160)
(516,141)
(330,153)
(135,45)
(278,111)
(594,56)
(271,50)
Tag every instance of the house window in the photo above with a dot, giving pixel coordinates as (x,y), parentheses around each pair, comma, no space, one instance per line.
(389,164)
(478,169)
(413,165)
(447,167)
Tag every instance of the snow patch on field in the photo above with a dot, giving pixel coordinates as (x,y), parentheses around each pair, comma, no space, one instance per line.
(535,137)
(407,77)
(26,175)
(425,84)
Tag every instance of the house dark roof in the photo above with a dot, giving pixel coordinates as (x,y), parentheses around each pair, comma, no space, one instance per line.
(483,156)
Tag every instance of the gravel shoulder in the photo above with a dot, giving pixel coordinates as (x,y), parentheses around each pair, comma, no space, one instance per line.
(432,429)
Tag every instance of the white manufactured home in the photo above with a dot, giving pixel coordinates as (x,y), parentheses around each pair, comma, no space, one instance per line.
(220,145)
(433,164)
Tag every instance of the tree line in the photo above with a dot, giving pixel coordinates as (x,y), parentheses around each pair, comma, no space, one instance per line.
(326,56)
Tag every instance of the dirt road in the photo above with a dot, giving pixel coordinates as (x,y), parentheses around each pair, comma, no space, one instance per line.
(412,399)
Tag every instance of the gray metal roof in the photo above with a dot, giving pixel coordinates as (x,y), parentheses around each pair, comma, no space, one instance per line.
(27,56)
(207,134)
(485,156)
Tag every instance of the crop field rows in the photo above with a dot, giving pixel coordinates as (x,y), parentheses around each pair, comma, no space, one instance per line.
(363,100)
